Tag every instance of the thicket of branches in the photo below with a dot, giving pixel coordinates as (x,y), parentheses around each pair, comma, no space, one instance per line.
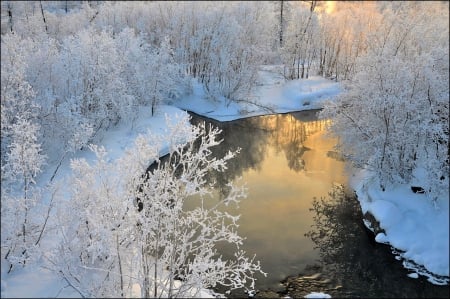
(393,118)
(132,228)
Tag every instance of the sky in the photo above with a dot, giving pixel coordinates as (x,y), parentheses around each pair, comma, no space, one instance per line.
(413,224)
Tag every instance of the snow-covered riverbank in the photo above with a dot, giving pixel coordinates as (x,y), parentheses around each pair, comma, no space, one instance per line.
(416,227)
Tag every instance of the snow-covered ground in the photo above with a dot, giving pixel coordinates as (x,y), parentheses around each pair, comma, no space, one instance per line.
(317,295)
(415,226)
(410,221)
(272,95)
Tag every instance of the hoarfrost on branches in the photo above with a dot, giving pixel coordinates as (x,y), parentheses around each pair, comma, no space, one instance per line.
(134,229)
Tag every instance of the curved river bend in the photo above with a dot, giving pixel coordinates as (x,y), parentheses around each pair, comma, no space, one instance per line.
(303,225)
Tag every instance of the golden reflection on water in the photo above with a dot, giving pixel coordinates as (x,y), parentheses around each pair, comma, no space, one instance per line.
(291,170)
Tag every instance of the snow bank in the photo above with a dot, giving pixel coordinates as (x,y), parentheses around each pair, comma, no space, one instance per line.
(416,227)
(272,95)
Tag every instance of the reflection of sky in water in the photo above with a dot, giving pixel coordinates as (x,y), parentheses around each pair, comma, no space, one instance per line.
(275,215)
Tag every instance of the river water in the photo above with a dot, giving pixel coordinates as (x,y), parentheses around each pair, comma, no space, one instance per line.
(299,218)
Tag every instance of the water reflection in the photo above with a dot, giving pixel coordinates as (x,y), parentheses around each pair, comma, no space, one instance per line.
(284,164)
(284,132)
(289,132)
(245,135)
(353,264)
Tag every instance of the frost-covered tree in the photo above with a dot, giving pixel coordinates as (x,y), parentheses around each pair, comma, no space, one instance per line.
(90,78)
(88,256)
(236,50)
(393,119)
(182,240)
(151,73)
(218,43)
(133,231)
(17,95)
(299,49)
(24,161)
(343,37)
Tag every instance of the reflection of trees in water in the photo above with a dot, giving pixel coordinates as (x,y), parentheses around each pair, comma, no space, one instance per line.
(245,134)
(351,257)
(290,132)
(337,232)
(289,137)
(285,132)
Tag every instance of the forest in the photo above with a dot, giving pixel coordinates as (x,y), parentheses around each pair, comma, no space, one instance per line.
(72,70)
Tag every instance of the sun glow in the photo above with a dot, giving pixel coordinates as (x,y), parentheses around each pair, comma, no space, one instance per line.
(330,6)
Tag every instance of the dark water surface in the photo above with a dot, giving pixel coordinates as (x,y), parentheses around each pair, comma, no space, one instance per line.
(300,220)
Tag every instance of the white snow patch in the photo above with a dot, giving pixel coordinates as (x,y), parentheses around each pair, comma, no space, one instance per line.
(381,238)
(368,224)
(273,92)
(317,295)
(413,224)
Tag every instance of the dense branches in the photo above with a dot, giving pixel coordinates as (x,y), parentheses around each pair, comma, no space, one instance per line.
(393,118)
(115,57)
(164,248)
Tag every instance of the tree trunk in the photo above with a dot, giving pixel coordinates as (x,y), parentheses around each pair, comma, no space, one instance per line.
(155,272)
(281,23)
(120,266)
(25,220)
(145,291)
(43,17)
(385,142)
(10,17)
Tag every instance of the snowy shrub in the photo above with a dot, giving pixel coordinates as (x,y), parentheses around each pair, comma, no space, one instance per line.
(24,160)
(109,246)
(393,117)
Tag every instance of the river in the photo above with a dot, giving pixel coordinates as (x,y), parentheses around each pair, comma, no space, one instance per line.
(299,218)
